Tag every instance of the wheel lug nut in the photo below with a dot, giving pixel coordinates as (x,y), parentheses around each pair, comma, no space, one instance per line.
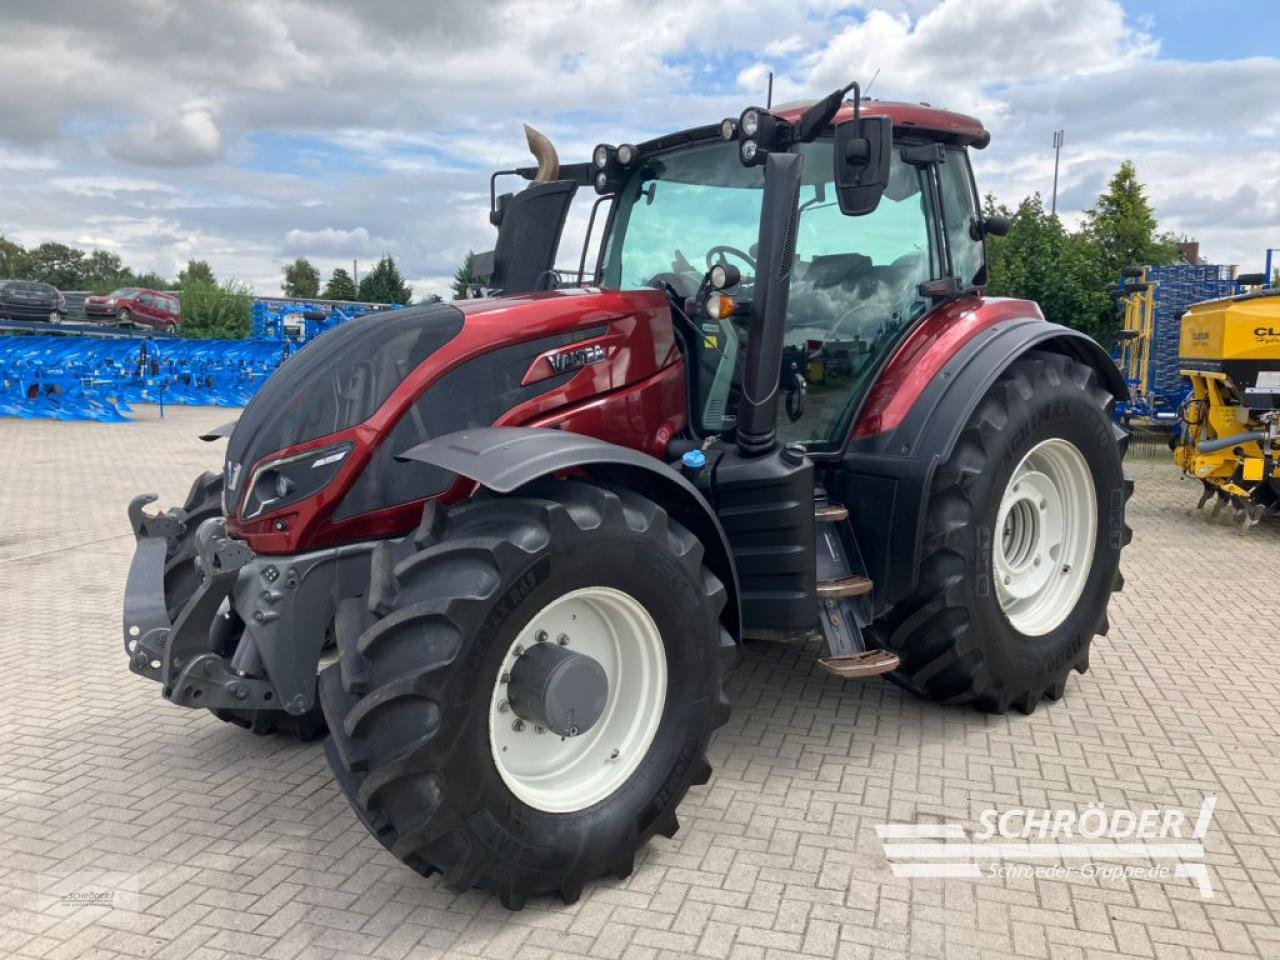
(541,636)
(506,677)
(518,651)
(563,639)
(502,706)
(518,726)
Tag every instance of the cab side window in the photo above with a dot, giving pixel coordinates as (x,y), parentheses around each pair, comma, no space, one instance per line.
(960,216)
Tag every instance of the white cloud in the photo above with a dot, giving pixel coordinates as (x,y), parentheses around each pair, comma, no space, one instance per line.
(329,240)
(107,185)
(23,160)
(189,138)
(187,151)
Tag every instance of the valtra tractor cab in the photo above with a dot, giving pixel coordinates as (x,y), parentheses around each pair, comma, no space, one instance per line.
(519,539)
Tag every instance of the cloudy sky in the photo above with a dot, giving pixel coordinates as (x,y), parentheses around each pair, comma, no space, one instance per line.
(250,133)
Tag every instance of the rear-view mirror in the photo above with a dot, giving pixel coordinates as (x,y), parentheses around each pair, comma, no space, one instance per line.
(862,163)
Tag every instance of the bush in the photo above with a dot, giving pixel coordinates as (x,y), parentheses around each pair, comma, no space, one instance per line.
(212,311)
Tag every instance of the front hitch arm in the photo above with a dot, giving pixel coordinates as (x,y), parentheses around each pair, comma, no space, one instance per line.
(181,654)
(146,618)
(194,675)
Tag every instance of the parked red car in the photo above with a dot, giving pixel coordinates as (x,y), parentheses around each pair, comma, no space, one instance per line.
(133,306)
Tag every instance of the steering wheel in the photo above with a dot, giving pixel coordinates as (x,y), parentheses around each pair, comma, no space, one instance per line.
(717,255)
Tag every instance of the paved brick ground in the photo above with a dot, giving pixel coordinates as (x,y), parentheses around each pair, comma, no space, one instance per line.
(218,843)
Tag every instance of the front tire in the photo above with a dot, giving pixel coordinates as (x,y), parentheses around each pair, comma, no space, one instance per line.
(418,703)
(1021,553)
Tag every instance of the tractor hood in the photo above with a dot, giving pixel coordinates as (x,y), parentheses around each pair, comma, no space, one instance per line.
(335,383)
(353,399)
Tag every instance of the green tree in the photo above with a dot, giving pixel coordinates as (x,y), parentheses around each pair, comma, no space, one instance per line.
(340,286)
(383,284)
(216,311)
(1123,225)
(104,271)
(54,263)
(11,255)
(464,279)
(196,271)
(301,279)
(149,280)
(1039,260)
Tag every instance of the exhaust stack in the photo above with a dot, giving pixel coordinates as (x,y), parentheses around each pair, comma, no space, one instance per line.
(545,154)
(758,409)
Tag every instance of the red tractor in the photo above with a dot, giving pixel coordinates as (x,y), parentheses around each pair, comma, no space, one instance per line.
(506,549)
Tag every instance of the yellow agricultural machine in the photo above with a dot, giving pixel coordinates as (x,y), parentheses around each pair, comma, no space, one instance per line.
(1229,435)
(1133,343)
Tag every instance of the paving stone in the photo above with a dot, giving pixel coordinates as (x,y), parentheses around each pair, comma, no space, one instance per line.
(243,846)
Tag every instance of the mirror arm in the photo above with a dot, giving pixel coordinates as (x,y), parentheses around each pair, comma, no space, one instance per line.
(944,289)
(815,119)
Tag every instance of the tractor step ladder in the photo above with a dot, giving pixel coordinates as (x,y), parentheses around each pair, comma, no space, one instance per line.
(844,598)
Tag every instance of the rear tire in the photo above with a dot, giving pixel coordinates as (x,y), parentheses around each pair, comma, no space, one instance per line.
(956,634)
(411,704)
(180,582)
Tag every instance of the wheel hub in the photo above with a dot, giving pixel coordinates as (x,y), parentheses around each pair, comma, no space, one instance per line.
(1031,534)
(553,687)
(1047,523)
(593,661)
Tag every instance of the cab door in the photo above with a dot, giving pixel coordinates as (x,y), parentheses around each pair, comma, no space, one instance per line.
(857,289)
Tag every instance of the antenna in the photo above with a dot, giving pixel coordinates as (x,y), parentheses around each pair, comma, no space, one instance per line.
(768,103)
(1058,136)
(871,81)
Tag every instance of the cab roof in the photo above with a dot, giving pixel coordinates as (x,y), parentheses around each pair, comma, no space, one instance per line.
(928,121)
(945,125)
(932,122)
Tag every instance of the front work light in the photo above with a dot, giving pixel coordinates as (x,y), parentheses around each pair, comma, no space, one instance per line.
(759,134)
(724,276)
(626,153)
(600,155)
(728,128)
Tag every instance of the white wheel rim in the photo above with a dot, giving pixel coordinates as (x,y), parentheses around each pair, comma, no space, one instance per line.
(1045,533)
(563,774)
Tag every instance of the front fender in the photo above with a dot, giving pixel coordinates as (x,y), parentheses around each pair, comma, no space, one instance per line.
(504,459)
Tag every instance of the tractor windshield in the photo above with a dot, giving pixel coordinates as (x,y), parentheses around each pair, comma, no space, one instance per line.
(854,288)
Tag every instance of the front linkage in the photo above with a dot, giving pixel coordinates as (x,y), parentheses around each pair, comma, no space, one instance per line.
(251,635)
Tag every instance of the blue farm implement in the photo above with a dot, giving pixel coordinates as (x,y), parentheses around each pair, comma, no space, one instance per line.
(301,321)
(86,372)
(100,378)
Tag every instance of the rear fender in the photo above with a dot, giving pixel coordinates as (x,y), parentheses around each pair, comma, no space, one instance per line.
(885,478)
(503,459)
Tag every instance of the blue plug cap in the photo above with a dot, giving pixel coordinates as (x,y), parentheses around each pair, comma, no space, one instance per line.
(694,460)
